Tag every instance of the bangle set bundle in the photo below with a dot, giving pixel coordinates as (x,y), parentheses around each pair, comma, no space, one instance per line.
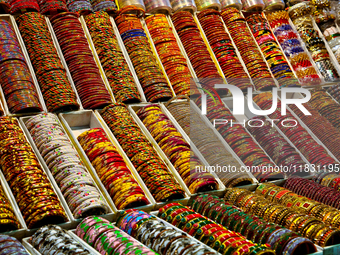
(282,153)
(111,57)
(154,172)
(251,56)
(271,51)
(51,74)
(176,149)
(52,7)
(328,179)
(151,77)
(15,78)
(79,6)
(10,245)
(223,48)
(292,48)
(297,134)
(158,6)
(209,232)
(108,6)
(8,219)
(158,236)
(274,204)
(174,63)
(78,56)
(258,230)
(21,6)
(30,186)
(69,172)
(112,170)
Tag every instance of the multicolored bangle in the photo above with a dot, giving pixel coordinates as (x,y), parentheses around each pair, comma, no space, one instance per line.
(22,6)
(10,245)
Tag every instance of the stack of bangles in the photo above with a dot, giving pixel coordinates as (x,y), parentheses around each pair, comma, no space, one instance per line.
(10,245)
(158,6)
(271,51)
(208,144)
(22,6)
(160,236)
(209,232)
(150,75)
(247,47)
(108,6)
(310,208)
(30,186)
(112,170)
(176,149)
(52,7)
(315,191)
(282,153)
(326,106)
(334,91)
(8,219)
(241,142)
(328,179)
(108,239)
(292,48)
(297,134)
(51,74)
(276,208)
(111,58)
(196,49)
(82,7)
(53,239)
(135,7)
(15,78)
(282,240)
(300,15)
(76,184)
(78,56)
(321,127)
(183,5)
(174,63)
(223,48)
(155,174)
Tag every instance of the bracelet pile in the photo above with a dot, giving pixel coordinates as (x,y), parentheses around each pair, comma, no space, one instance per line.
(10,245)
(292,48)
(321,127)
(52,7)
(108,239)
(302,140)
(282,153)
(334,91)
(277,209)
(196,49)
(111,58)
(150,75)
(79,6)
(176,149)
(223,48)
(174,63)
(30,186)
(51,74)
(247,47)
(108,6)
(21,6)
(155,174)
(78,56)
(159,236)
(271,51)
(112,169)
(8,219)
(183,5)
(158,6)
(53,239)
(16,80)
(328,179)
(282,240)
(209,232)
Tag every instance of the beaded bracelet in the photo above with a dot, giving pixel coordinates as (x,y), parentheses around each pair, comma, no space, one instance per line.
(149,73)
(112,170)
(51,75)
(176,149)
(52,238)
(16,80)
(174,63)
(143,156)
(10,245)
(83,68)
(223,48)
(111,57)
(29,184)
